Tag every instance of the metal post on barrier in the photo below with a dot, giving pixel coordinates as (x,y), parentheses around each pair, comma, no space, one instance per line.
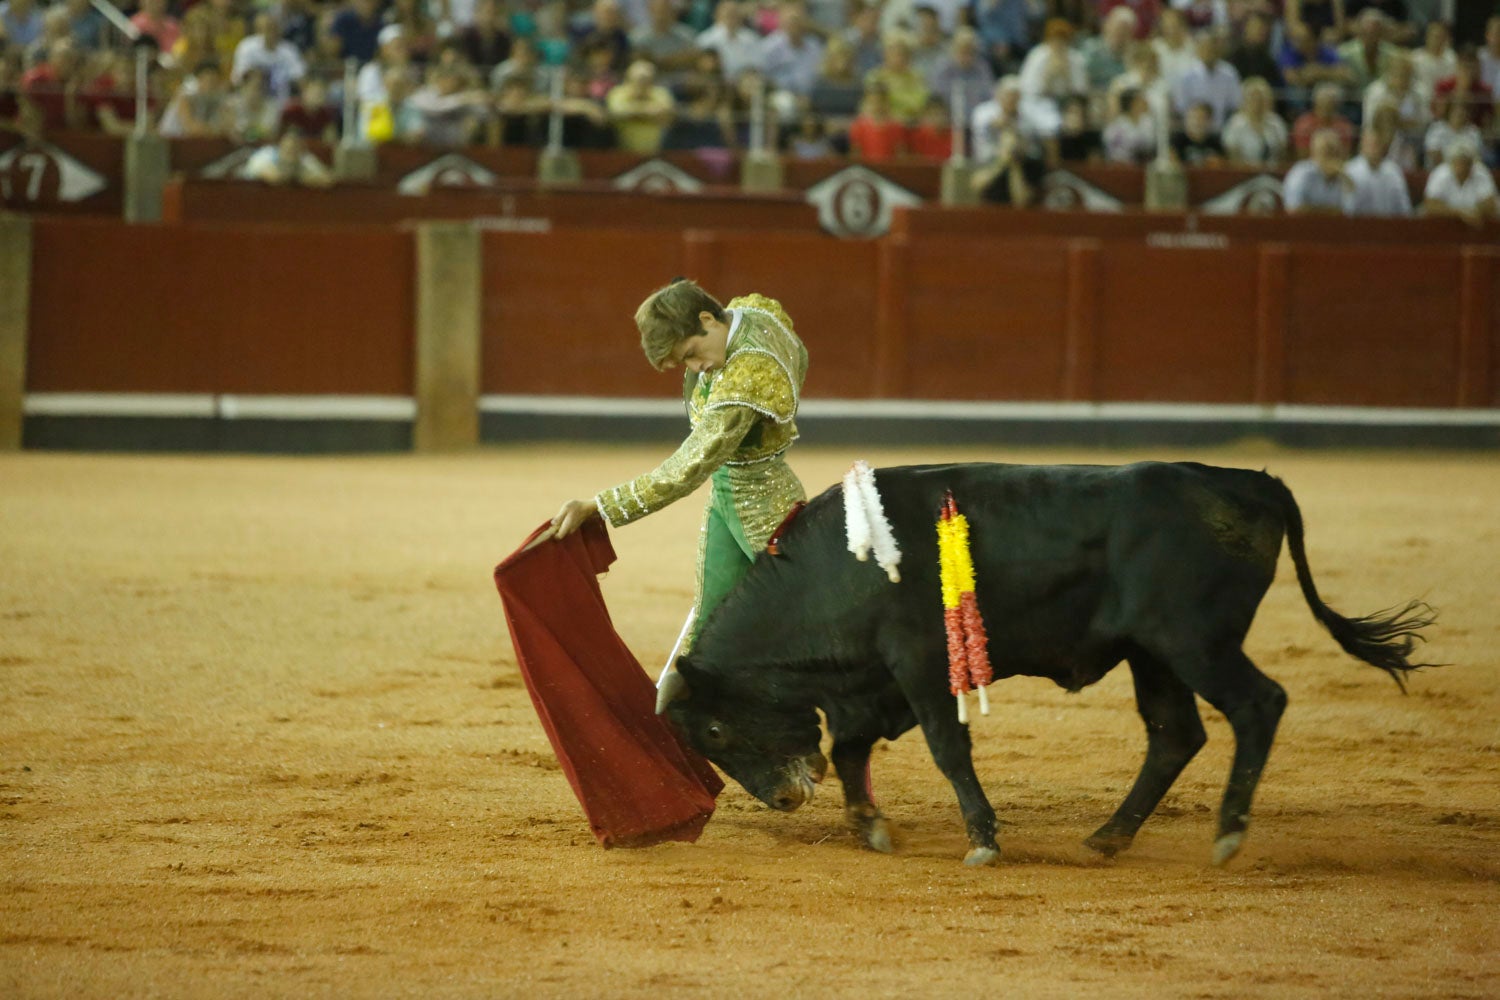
(15,300)
(354,158)
(761,168)
(557,164)
(449,282)
(1166,181)
(958,173)
(147,155)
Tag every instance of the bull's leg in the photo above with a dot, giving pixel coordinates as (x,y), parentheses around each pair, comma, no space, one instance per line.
(1174,733)
(952,750)
(851,759)
(1253,704)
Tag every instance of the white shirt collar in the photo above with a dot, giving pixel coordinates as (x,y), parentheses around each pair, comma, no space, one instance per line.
(734,325)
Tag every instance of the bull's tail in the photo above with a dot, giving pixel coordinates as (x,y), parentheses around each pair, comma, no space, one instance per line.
(1385,639)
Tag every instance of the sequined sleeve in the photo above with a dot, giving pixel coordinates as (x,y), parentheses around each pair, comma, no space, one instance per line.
(713,441)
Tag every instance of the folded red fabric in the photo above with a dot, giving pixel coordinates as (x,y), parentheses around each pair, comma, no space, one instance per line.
(637,783)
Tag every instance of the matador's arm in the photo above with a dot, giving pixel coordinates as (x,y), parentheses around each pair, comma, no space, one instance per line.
(719,432)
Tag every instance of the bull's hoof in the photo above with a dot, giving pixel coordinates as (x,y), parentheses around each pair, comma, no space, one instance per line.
(1108,844)
(982,856)
(877,836)
(1226,847)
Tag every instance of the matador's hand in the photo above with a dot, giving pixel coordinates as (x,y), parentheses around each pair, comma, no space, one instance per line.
(572,516)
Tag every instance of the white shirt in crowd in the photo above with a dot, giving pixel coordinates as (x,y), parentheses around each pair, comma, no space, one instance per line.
(1037,81)
(1244,143)
(1379,190)
(1035,121)
(1217,86)
(1489,69)
(737,52)
(1428,69)
(1444,187)
(1440,135)
(1173,63)
(282,64)
(1415,106)
(1305,186)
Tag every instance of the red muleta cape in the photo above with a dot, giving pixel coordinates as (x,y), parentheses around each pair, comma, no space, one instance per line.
(637,783)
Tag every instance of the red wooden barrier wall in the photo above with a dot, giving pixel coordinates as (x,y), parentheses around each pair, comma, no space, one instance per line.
(248,309)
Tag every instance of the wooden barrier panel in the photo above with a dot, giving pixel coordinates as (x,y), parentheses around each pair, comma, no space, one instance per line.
(197,309)
(1372,327)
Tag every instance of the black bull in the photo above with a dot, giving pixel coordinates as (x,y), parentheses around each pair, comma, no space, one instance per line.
(1078,568)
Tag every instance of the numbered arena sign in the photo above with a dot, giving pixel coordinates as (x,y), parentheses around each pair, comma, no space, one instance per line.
(38,173)
(1062,190)
(658,177)
(1260,195)
(856,202)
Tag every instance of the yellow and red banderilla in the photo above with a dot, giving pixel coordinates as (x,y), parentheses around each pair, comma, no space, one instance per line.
(968,645)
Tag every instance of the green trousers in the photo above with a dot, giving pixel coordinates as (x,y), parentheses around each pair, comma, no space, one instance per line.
(724,554)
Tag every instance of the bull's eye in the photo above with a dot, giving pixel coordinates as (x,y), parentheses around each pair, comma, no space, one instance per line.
(715,735)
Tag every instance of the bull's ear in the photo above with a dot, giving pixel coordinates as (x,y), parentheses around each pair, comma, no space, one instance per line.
(670,688)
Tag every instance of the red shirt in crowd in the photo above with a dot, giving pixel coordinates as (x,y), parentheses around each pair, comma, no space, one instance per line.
(1480,97)
(877,141)
(1308,122)
(311,122)
(1146,14)
(931,141)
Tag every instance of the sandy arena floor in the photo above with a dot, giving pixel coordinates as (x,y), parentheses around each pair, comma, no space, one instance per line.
(262,734)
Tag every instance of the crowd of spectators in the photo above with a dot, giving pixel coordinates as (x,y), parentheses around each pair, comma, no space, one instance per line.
(1348,94)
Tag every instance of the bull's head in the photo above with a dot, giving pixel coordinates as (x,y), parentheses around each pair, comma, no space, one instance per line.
(771,749)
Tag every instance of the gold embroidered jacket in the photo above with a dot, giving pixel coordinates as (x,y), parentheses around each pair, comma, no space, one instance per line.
(743,417)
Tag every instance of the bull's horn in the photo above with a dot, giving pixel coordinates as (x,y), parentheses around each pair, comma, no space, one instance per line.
(671,687)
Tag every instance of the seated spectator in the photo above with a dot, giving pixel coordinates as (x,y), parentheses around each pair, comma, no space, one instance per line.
(876,136)
(1143,75)
(641,109)
(598,76)
(863,36)
(1034,122)
(10,88)
(1131,136)
(21,22)
(1404,150)
(51,87)
(929,46)
(551,37)
(357,27)
(484,41)
(1011,177)
(1398,88)
(1053,71)
(603,29)
(311,112)
(1466,87)
(519,114)
(1146,13)
(792,55)
(201,106)
(1399,27)
(738,45)
(1307,62)
(932,136)
(1076,141)
(1379,183)
(419,30)
(279,61)
(325,59)
(1175,53)
(524,64)
(1004,28)
(1197,145)
(1081,15)
(1489,54)
(1324,114)
(229,29)
(287,161)
(1461,186)
(837,90)
(1210,81)
(1252,55)
(810,142)
(255,113)
(85,24)
(195,44)
(1442,133)
(1323,19)
(299,22)
(1318,184)
(392,117)
(905,88)
(54,30)
(151,20)
(393,55)
(1256,136)
(450,114)
(1435,60)
(670,45)
(1104,55)
(964,67)
(1368,54)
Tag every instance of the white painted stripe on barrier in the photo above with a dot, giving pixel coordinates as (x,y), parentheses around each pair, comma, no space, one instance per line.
(913,409)
(118,404)
(226,407)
